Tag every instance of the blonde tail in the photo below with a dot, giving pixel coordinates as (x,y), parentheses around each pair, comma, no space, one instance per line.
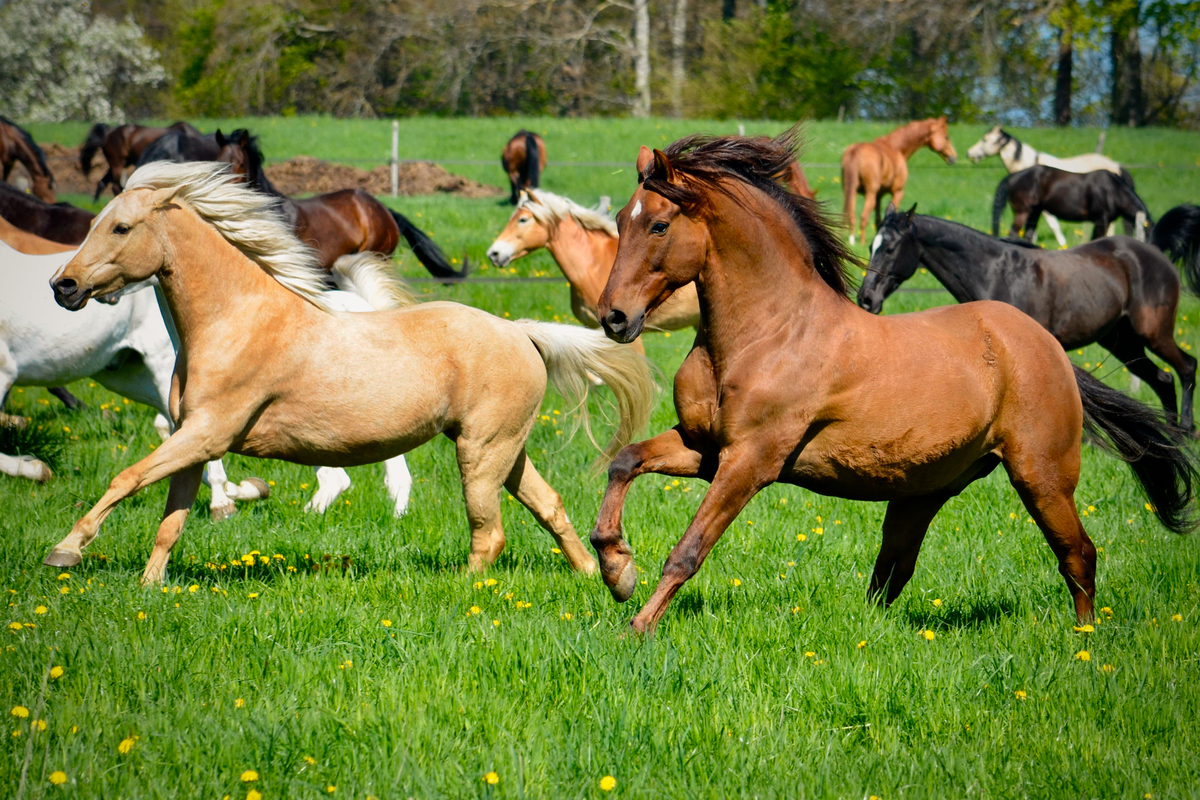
(372,277)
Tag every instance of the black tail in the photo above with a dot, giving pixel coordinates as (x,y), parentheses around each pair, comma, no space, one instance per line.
(533,161)
(427,252)
(93,142)
(1155,450)
(998,204)
(1178,235)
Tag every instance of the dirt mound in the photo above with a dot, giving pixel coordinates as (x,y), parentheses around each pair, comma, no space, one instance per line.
(64,165)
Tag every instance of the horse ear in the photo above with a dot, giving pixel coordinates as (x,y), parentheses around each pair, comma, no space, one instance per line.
(942,119)
(160,200)
(891,209)
(221,140)
(912,211)
(645,156)
(244,139)
(663,164)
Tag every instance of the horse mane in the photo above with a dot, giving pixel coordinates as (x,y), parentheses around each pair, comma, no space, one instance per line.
(258,176)
(763,163)
(37,150)
(248,220)
(550,209)
(949,223)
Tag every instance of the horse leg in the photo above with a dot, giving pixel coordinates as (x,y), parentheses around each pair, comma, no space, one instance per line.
(904,528)
(331,482)
(1018,222)
(1129,345)
(669,453)
(1055,228)
(398,481)
(1162,344)
(1100,228)
(184,486)
(69,400)
(484,462)
(897,199)
(870,202)
(1031,224)
(532,491)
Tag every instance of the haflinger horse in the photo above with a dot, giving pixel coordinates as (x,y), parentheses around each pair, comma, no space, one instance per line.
(874,169)
(122,146)
(58,222)
(1116,291)
(265,369)
(336,223)
(789,381)
(17,145)
(1098,197)
(523,159)
(1016,156)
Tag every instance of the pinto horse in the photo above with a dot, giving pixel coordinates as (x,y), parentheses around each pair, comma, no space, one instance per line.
(1117,291)
(337,223)
(122,146)
(1099,197)
(58,222)
(17,145)
(523,159)
(789,381)
(876,168)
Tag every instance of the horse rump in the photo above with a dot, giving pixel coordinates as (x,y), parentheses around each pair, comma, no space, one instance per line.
(427,251)
(1000,201)
(1177,234)
(533,161)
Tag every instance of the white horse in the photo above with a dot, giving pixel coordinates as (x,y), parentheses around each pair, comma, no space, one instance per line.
(1017,156)
(125,346)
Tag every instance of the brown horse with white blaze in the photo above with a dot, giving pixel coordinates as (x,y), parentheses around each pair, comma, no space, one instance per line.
(789,381)
(874,169)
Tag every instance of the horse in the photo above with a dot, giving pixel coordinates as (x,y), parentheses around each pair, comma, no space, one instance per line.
(523,159)
(1098,197)
(122,146)
(789,381)
(181,144)
(1116,291)
(17,145)
(28,243)
(266,370)
(1016,156)
(337,223)
(876,168)
(58,222)
(583,242)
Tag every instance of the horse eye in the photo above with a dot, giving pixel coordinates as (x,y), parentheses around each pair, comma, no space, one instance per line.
(658,227)
(120,229)
(523,220)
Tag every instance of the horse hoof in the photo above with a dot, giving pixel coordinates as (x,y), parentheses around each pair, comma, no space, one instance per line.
(63,559)
(223,512)
(626,582)
(261,486)
(44,474)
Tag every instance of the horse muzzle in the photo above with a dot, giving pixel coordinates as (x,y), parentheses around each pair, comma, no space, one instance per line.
(874,304)
(500,254)
(69,295)
(620,327)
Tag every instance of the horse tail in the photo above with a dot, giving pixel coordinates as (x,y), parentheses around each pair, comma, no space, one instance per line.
(372,277)
(999,202)
(1154,450)
(533,161)
(573,354)
(426,250)
(93,142)
(1178,235)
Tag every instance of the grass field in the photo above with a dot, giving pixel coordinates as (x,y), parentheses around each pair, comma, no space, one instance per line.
(363,660)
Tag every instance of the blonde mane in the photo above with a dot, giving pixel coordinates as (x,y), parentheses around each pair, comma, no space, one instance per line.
(550,209)
(247,219)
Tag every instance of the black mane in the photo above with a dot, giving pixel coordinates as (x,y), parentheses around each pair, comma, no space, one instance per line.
(257,176)
(761,162)
(37,151)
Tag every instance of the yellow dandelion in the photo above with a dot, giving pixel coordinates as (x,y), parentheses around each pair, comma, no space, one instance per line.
(929,636)
(795,609)
(1106,611)
(556,551)
(937,603)
(20,712)
(249,776)
(65,590)
(1020,694)
(38,724)
(15,626)
(490,582)
(387,623)
(58,777)
(473,610)
(1083,655)
(491,779)
(566,615)
(1084,629)
(252,595)
(737,582)
(608,783)
(40,610)
(239,703)
(496,623)
(64,576)
(1108,668)
(56,673)
(312,762)
(141,615)
(810,654)
(253,794)
(126,745)
(331,788)
(478,585)
(1177,618)
(862,644)
(800,537)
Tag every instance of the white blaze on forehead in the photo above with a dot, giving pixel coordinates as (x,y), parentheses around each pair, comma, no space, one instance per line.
(878,240)
(637,209)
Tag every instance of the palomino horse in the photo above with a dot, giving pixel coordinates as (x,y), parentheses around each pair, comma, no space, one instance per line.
(266,370)
(17,145)
(337,223)
(1016,156)
(789,381)
(58,222)
(876,168)
(1098,197)
(523,159)
(583,242)
(1116,291)
(122,146)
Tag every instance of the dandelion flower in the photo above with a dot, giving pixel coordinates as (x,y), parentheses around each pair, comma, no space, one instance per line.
(254,794)
(65,590)
(473,610)
(193,588)
(496,623)
(56,673)
(330,788)
(141,615)
(1108,668)
(249,776)
(608,783)
(1177,618)
(737,582)
(40,610)
(15,626)
(239,703)
(1020,694)
(387,623)
(1084,629)
(937,603)
(491,778)
(1083,655)
(126,745)
(929,636)
(810,654)
(64,576)
(490,582)
(58,777)
(38,724)
(20,712)
(312,762)
(862,644)
(252,595)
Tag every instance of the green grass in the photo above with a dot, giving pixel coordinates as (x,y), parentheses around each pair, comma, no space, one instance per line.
(263,668)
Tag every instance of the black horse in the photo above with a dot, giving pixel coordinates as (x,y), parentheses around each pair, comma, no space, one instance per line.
(58,222)
(1098,197)
(182,144)
(1118,292)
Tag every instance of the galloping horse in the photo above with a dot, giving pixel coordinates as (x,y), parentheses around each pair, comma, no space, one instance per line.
(1098,197)
(1116,291)
(337,223)
(789,381)
(122,146)
(17,145)
(523,159)
(58,222)
(876,168)
(266,370)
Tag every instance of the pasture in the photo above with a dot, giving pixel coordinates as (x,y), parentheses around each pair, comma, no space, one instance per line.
(351,655)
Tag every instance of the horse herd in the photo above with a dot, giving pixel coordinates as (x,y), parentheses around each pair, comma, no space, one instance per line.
(214,305)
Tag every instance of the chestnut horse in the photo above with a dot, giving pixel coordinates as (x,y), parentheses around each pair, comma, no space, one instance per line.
(17,145)
(789,381)
(266,369)
(874,169)
(122,146)
(523,159)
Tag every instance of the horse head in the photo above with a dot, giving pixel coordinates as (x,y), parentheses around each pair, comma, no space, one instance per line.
(895,254)
(939,140)
(521,236)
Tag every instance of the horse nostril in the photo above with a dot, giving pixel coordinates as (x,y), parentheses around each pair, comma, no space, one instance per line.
(615,320)
(65,286)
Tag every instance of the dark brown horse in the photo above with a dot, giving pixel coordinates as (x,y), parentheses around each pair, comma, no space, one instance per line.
(58,222)
(122,146)
(874,169)
(338,223)
(17,145)
(523,159)
(1099,197)
(789,381)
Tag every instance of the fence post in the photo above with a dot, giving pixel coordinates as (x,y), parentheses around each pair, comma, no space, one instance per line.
(1100,141)
(395,157)
(741,129)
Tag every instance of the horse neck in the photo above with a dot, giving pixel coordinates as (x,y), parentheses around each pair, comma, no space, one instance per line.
(585,257)
(909,138)
(26,155)
(1017,155)
(953,255)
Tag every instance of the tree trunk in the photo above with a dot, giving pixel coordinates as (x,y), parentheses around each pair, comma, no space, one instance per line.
(641,59)
(1128,105)
(1062,86)
(678,40)
(728,9)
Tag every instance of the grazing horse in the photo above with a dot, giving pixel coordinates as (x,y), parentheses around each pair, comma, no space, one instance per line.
(58,222)
(266,370)
(876,168)
(1016,156)
(523,159)
(789,381)
(337,223)
(1098,197)
(17,145)
(1117,291)
(122,146)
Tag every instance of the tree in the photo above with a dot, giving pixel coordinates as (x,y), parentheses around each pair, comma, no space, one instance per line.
(1127,103)
(641,58)
(678,41)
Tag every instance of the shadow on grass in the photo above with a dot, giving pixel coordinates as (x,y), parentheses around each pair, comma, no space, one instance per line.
(973,614)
